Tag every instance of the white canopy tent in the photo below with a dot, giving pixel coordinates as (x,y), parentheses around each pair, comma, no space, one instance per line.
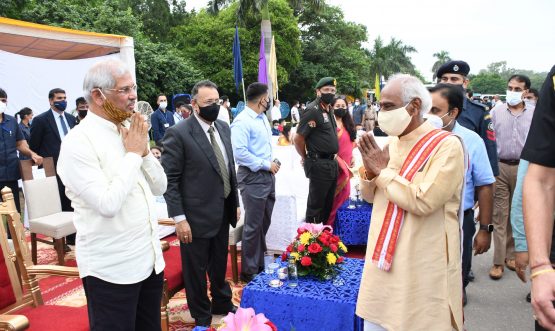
(36,58)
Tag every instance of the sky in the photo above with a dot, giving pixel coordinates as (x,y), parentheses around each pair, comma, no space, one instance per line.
(477,31)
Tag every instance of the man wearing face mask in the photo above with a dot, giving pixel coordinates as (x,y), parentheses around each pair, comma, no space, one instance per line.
(531,98)
(47,132)
(113,179)
(358,113)
(415,185)
(81,110)
(316,142)
(252,147)
(203,200)
(474,115)
(447,102)
(161,119)
(511,121)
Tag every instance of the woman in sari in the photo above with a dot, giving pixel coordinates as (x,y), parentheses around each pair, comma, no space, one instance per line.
(346,135)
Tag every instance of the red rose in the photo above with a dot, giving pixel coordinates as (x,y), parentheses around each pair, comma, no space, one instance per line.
(299,231)
(290,248)
(324,239)
(284,256)
(334,239)
(333,248)
(300,248)
(306,261)
(314,248)
(340,259)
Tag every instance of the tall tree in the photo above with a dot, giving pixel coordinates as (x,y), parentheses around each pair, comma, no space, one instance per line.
(205,36)
(391,58)
(442,58)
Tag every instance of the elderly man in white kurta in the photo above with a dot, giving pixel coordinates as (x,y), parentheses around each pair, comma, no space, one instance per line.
(412,275)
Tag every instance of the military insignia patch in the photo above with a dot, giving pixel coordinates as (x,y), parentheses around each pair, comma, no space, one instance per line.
(312,124)
(326,117)
(455,68)
(490,126)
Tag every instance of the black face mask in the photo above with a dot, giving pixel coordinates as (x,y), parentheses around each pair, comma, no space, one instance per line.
(268,105)
(210,112)
(340,112)
(327,98)
(82,113)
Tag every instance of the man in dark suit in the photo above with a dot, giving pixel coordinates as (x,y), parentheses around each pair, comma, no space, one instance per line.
(203,200)
(47,132)
(161,119)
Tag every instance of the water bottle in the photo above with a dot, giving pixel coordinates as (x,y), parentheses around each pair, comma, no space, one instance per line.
(292,270)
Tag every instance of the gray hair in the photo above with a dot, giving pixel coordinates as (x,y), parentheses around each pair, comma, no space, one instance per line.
(103,75)
(199,85)
(411,88)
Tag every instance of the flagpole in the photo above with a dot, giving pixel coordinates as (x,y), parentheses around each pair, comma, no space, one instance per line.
(244,96)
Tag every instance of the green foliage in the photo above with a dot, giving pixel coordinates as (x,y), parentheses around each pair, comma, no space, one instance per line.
(442,58)
(488,83)
(11,8)
(331,46)
(391,58)
(207,41)
(504,73)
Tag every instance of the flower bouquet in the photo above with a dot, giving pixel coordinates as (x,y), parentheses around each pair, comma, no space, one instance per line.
(245,320)
(316,250)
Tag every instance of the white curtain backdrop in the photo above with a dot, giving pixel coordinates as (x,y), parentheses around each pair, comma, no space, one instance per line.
(27,80)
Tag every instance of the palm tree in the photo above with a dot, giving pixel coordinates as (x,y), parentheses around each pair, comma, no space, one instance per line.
(260,7)
(442,58)
(391,58)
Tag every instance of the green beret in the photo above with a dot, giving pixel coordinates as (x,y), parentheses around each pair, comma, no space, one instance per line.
(326,81)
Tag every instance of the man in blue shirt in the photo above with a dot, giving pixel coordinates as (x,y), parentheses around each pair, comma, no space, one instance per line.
(252,148)
(447,103)
(161,119)
(11,141)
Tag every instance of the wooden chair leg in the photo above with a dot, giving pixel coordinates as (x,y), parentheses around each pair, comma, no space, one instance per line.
(59,245)
(234,267)
(164,313)
(34,247)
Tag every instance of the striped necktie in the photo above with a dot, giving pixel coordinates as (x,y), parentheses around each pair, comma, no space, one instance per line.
(221,161)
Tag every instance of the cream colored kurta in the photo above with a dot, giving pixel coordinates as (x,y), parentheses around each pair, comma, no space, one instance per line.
(423,289)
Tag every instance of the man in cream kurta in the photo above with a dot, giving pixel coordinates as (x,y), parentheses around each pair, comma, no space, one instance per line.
(422,288)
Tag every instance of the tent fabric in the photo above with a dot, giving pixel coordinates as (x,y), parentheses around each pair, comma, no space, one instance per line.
(36,58)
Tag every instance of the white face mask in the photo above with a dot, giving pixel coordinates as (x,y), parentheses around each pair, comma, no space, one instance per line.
(530,103)
(437,121)
(163,105)
(394,122)
(514,98)
(3,107)
(357,103)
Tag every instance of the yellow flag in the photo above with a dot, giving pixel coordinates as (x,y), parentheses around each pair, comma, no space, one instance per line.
(377,87)
(273,69)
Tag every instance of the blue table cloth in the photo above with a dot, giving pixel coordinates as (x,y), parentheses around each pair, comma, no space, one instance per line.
(352,225)
(313,304)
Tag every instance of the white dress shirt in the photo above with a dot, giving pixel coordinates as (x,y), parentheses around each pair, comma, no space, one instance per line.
(59,124)
(112,192)
(295,114)
(276,113)
(205,128)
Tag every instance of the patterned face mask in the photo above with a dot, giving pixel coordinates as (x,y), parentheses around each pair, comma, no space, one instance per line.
(114,113)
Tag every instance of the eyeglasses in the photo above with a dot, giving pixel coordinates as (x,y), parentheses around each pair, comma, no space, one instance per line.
(125,90)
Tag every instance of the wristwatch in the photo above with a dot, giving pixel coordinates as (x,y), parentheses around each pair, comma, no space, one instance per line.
(487,228)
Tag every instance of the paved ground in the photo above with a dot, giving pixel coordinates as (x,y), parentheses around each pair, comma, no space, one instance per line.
(496,305)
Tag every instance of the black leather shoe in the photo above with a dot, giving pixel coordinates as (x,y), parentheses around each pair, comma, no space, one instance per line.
(470,276)
(203,322)
(246,278)
(217,311)
(529,297)
(67,249)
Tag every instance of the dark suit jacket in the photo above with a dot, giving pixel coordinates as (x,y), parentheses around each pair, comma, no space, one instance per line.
(45,138)
(158,119)
(195,187)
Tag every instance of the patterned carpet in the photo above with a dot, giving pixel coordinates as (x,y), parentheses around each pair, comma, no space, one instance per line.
(64,291)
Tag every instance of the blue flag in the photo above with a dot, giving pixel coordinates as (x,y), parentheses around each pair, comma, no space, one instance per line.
(237,63)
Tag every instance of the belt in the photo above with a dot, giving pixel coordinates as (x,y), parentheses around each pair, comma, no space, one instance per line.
(314,155)
(510,162)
